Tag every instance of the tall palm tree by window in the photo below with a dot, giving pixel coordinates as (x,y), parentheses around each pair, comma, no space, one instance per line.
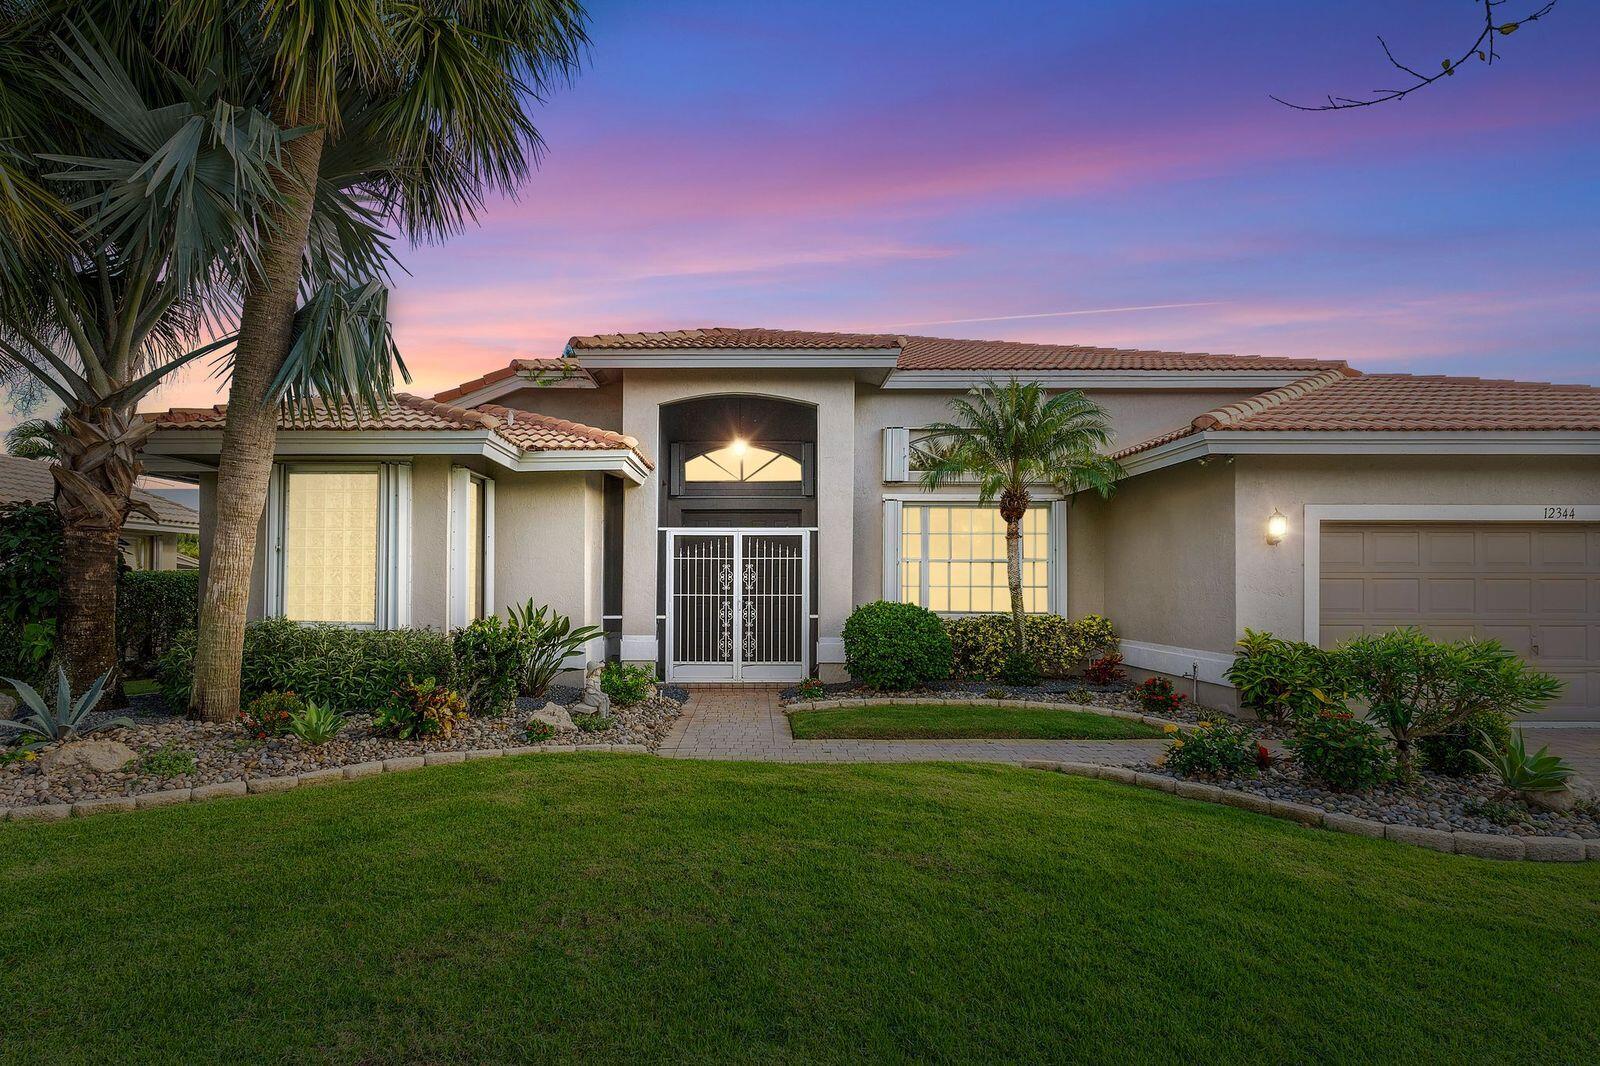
(1010,438)
(412,112)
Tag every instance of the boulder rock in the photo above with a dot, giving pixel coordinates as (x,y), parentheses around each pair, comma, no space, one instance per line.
(555,716)
(8,708)
(1560,800)
(101,756)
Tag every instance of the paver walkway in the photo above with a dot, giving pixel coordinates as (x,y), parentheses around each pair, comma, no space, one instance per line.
(747,722)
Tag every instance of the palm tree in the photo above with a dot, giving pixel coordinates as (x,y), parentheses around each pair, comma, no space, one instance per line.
(409,112)
(1009,438)
(33,438)
(101,296)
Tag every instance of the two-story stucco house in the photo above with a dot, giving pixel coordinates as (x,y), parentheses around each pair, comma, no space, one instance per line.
(720,499)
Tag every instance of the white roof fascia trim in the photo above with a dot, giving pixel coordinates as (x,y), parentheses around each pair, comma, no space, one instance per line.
(1352,442)
(136,524)
(1100,379)
(622,461)
(182,443)
(738,358)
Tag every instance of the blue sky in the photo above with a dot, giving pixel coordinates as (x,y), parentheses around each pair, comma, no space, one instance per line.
(945,168)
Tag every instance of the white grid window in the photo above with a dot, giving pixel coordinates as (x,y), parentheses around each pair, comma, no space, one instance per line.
(330,549)
(953,558)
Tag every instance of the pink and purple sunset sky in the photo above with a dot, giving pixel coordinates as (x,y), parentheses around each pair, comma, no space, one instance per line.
(1109,174)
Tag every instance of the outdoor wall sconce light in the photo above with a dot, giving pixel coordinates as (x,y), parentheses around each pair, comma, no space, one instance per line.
(1277,526)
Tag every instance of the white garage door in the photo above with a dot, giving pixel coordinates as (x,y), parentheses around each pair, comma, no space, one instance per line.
(1534,588)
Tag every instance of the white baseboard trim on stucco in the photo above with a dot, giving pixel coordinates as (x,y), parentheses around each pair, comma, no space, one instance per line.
(1179,662)
(830,649)
(637,648)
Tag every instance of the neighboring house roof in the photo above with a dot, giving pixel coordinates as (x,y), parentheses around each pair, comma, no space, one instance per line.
(30,480)
(522,430)
(941,353)
(540,372)
(1398,403)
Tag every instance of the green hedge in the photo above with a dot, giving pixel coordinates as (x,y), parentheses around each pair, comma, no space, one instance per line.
(154,608)
(1060,647)
(352,670)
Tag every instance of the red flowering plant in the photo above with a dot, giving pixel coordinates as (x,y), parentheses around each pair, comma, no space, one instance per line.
(1105,670)
(1156,696)
(269,715)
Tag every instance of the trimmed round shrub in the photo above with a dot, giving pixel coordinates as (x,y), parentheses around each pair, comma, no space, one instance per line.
(1450,752)
(1343,751)
(896,646)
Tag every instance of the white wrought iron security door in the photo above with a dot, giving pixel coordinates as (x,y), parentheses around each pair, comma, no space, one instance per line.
(738,605)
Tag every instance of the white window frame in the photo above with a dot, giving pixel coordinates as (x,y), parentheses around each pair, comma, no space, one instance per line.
(457,594)
(393,584)
(1055,540)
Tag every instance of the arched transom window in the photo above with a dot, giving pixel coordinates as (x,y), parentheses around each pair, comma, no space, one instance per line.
(741,462)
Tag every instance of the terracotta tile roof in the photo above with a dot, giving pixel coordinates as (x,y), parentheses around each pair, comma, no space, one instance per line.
(537,370)
(940,353)
(537,432)
(524,430)
(30,480)
(1338,402)
(723,337)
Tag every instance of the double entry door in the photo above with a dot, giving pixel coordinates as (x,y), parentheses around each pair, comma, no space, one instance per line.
(738,604)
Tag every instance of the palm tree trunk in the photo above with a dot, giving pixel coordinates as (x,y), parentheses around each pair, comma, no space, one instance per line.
(97,463)
(265,336)
(88,620)
(1014,580)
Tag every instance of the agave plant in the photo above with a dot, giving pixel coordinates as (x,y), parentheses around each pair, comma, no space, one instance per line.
(544,640)
(66,720)
(1521,772)
(317,724)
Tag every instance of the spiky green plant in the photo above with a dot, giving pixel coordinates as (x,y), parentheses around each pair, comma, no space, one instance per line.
(1521,772)
(64,721)
(545,639)
(317,724)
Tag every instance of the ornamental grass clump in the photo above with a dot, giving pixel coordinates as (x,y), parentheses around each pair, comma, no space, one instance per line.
(896,646)
(1342,751)
(1213,749)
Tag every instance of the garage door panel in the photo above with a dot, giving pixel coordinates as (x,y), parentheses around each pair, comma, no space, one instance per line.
(1401,595)
(1500,549)
(1528,586)
(1451,595)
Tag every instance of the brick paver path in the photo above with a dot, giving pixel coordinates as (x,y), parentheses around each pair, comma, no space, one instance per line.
(747,722)
(1579,745)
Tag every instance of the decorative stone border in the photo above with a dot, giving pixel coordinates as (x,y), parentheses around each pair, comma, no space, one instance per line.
(1456,842)
(981,701)
(253,786)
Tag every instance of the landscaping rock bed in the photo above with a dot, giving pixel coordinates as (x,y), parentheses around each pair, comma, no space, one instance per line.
(1475,804)
(225,753)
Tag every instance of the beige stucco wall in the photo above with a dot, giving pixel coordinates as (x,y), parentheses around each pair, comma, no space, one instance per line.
(833,393)
(1164,544)
(1134,414)
(600,407)
(547,536)
(1271,580)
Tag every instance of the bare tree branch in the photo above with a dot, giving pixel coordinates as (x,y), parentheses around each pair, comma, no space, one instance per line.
(1482,49)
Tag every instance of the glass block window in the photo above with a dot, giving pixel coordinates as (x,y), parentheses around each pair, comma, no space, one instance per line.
(330,546)
(953,558)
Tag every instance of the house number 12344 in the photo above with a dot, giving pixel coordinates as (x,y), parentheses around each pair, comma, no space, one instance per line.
(1561,512)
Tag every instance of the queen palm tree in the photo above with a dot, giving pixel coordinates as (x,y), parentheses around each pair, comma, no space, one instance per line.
(409,112)
(1009,438)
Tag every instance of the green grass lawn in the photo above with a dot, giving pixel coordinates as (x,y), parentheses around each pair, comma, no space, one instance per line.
(935,722)
(617,908)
